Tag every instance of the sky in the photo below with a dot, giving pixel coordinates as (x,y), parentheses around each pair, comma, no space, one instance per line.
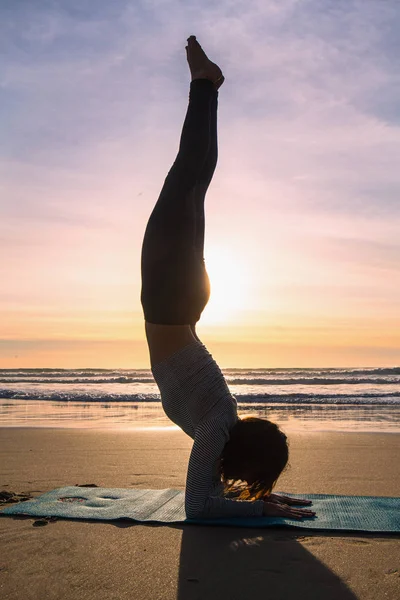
(302,215)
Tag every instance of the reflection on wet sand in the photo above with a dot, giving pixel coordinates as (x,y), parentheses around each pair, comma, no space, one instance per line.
(150,415)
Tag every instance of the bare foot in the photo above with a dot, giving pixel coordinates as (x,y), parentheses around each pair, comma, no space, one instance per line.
(200,65)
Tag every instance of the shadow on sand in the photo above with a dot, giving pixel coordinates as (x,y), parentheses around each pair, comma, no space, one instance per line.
(223,563)
(227,563)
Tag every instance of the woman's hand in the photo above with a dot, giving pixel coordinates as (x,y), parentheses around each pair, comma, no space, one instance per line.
(277,509)
(287,500)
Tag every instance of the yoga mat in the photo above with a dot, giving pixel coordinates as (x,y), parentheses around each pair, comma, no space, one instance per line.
(333,513)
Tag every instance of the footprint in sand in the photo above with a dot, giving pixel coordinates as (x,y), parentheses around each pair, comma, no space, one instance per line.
(309,541)
(392,572)
(86,485)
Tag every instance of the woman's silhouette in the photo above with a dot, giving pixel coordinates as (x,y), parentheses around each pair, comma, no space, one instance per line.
(227,450)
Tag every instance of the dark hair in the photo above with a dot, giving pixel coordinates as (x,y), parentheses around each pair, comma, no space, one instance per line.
(255,445)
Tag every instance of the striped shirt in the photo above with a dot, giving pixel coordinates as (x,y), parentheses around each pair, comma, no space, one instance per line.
(195,396)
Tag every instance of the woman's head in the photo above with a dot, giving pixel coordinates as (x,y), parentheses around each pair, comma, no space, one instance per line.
(256,453)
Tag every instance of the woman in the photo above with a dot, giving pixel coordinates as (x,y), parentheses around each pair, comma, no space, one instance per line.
(175,290)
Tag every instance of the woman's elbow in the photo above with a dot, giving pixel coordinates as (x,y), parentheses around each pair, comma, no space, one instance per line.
(194,512)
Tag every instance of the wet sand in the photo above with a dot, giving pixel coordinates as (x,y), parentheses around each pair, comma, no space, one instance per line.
(116,560)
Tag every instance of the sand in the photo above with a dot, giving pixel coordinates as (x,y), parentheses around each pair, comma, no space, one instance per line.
(97,560)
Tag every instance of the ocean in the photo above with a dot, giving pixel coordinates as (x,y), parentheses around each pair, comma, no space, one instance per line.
(359,399)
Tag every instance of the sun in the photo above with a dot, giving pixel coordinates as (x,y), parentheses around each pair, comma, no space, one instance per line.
(230,280)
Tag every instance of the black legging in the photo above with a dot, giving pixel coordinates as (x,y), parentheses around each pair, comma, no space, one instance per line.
(175,284)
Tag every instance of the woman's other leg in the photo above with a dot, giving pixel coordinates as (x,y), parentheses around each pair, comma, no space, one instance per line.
(199,194)
(204,180)
(174,282)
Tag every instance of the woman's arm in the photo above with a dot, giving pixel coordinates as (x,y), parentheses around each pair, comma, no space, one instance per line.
(211,437)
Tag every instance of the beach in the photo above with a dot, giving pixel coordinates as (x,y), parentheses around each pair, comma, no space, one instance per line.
(77,559)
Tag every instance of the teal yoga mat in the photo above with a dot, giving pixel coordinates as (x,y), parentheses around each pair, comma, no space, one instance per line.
(333,513)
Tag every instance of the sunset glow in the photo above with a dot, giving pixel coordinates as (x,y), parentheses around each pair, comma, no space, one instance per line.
(302,216)
(231,285)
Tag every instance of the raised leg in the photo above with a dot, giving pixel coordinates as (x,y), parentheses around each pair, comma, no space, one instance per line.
(204,180)
(175,286)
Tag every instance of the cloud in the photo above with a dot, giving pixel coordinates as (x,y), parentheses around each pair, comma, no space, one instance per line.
(93,99)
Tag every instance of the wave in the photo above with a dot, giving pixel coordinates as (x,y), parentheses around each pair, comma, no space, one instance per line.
(300,398)
(311,381)
(79,380)
(386,399)
(69,373)
(230,380)
(321,371)
(315,371)
(298,372)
